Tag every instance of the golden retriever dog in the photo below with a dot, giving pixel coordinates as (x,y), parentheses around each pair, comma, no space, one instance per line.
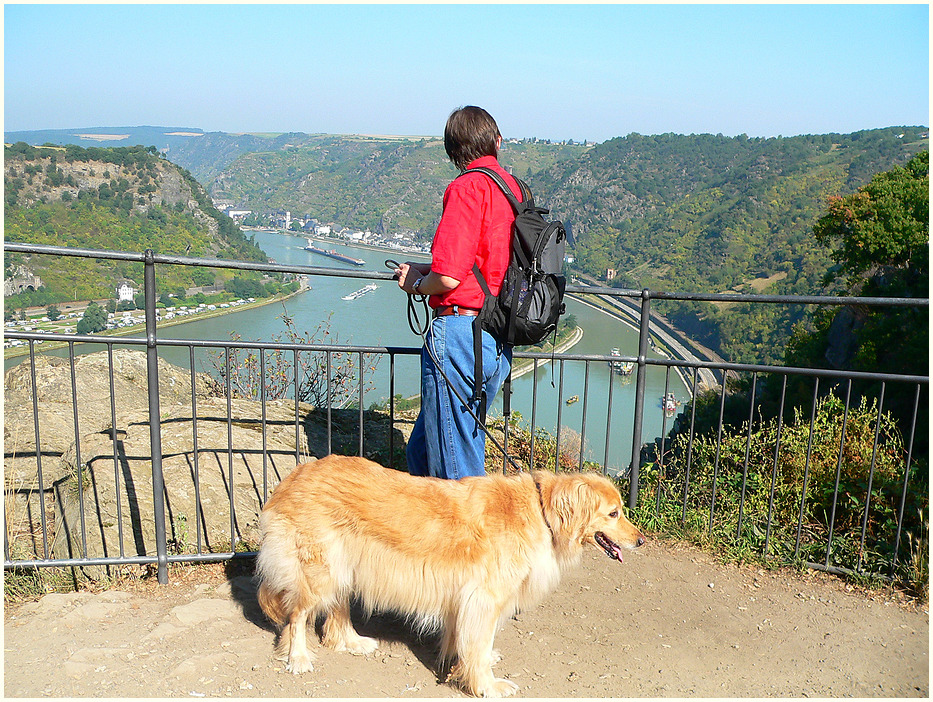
(456,556)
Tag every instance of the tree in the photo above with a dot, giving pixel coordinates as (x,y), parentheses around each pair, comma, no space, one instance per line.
(882,232)
(882,235)
(52,312)
(93,321)
(245,287)
(884,226)
(317,379)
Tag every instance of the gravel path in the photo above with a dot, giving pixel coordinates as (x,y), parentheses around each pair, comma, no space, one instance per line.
(669,622)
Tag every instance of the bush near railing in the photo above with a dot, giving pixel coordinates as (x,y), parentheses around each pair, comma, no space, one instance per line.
(538,450)
(317,378)
(797,497)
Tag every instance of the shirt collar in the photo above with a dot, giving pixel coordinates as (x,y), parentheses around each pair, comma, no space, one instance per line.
(486,161)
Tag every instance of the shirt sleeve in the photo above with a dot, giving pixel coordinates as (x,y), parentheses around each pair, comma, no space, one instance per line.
(458,234)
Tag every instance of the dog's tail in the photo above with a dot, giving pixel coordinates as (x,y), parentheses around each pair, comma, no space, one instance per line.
(283,585)
(272,603)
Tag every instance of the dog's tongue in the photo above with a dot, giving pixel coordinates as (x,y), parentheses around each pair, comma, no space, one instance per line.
(616,552)
(610,547)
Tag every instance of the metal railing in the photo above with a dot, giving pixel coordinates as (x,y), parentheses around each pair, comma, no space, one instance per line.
(670,468)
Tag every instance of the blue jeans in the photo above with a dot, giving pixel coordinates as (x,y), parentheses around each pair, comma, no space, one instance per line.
(447,441)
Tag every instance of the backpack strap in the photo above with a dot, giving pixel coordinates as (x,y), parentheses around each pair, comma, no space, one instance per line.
(479,394)
(519,207)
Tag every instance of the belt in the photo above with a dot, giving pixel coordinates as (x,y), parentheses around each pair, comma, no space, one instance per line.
(445,310)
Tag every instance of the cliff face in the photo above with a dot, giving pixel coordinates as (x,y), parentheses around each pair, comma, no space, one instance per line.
(44,176)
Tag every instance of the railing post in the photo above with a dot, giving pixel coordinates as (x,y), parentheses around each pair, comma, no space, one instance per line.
(639,398)
(155,424)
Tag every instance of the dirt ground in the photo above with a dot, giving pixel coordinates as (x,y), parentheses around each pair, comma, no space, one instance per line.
(668,622)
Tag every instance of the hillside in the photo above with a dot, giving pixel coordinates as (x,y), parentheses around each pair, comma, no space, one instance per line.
(126,199)
(202,153)
(712,209)
(707,213)
(378,183)
(696,213)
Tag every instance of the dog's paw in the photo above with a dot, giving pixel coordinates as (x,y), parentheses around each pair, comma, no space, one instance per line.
(500,687)
(360,645)
(299,664)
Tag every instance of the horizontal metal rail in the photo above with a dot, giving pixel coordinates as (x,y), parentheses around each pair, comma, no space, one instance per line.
(172,259)
(408,350)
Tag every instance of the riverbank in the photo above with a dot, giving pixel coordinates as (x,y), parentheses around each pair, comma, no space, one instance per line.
(527,365)
(666,344)
(160,324)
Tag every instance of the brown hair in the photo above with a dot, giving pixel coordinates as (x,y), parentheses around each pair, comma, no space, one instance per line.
(471,132)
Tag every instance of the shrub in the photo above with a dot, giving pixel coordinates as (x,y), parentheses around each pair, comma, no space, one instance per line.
(795,497)
(336,386)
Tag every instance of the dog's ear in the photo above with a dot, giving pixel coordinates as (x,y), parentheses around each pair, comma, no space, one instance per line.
(569,505)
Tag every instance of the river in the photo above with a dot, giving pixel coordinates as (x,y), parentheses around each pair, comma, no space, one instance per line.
(379,318)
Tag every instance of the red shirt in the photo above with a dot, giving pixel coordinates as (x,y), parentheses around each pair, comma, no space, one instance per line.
(475,227)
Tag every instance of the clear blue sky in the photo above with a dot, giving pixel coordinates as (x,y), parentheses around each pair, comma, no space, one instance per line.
(551,71)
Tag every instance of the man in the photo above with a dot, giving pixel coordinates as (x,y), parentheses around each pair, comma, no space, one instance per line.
(475,227)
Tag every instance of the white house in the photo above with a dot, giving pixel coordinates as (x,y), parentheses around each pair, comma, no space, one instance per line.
(125,291)
(238,215)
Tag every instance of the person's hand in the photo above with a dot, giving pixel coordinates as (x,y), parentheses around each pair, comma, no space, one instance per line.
(408,274)
(402,274)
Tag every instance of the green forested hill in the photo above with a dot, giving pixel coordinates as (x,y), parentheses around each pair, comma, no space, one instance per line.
(709,213)
(694,213)
(713,210)
(208,155)
(378,183)
(125,199)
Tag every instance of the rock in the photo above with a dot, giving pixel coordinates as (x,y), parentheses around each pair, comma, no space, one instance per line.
(204,610)
(98,494)
(841,343)
(228,468)
(92,384)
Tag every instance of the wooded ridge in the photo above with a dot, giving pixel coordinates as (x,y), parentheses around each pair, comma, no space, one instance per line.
(123,199)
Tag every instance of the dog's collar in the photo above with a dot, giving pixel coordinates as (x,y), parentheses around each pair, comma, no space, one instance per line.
(541,505)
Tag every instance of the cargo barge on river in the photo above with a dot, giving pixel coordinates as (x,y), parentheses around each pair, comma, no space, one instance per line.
(334,255)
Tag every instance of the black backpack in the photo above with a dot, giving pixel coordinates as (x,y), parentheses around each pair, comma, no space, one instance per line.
(531,299)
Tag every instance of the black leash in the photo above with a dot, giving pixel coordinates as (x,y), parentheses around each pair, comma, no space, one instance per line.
(414,324)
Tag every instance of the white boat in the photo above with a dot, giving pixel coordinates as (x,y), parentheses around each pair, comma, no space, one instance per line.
(669,402)
(620,366)
(615,362)
(362,291)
